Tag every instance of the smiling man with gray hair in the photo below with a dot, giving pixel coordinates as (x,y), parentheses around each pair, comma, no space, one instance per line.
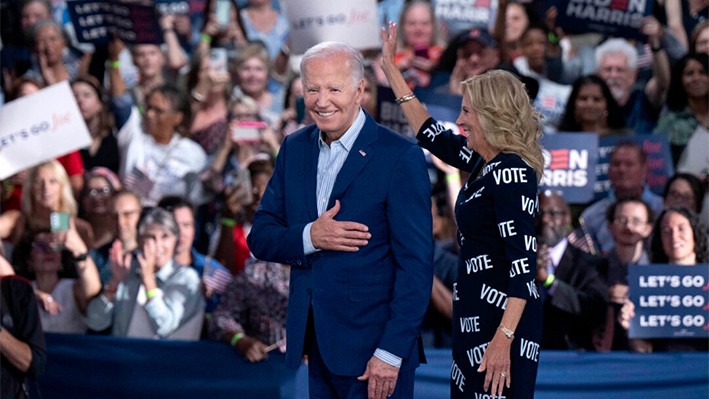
(349,209)
(617,65)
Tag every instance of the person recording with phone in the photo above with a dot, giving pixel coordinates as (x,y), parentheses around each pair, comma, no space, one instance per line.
(209,86)
(242,198)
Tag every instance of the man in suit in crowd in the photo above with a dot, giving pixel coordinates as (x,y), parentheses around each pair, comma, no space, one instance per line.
(573,292)
(349,208)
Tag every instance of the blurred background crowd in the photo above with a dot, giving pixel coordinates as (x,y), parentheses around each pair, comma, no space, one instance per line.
(184,136)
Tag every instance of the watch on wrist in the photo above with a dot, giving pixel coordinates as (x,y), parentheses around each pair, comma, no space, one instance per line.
(508,333)
(81,257)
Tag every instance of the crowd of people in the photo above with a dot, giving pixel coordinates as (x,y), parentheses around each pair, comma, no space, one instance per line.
(185,137)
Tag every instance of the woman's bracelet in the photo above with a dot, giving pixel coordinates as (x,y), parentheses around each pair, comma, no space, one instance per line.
(405,98)
(205,38)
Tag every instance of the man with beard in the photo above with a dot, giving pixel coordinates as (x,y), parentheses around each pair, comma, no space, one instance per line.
(574,294)
(617,65)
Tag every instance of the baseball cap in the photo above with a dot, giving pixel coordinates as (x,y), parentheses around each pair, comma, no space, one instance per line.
(479,34)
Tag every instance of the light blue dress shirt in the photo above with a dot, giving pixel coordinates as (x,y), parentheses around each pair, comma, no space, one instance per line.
(330,162)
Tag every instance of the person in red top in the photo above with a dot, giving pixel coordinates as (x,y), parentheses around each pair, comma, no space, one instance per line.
(240,206)
(418,53)
(74,166)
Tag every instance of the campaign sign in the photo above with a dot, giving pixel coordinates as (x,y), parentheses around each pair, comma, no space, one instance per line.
(659,161)
(444,108)
(620,18)
(460,15)
(670,301)
(39,127)
(569,165)
(389,113)
(173,7)
(95,22)
(349,21)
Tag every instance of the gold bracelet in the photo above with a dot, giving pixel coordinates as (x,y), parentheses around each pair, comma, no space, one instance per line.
(405,98)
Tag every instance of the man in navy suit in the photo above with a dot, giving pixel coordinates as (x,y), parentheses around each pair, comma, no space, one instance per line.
(348,207)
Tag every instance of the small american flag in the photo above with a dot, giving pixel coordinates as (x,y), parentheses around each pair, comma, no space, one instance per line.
(138,182)
(216,277)
(548,102)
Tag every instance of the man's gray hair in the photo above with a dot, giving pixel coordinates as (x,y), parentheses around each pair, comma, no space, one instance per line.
(333,50)
(162,218)
(617,46)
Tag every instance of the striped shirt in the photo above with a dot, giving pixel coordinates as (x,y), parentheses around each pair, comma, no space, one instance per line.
(330,161)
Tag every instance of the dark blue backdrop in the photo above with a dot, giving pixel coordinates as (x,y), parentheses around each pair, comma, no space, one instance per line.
(105,367)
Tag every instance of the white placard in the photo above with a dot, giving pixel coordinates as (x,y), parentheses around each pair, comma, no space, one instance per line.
(38,127)
(349,21)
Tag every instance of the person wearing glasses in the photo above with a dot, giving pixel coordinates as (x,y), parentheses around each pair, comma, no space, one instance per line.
(573,293)
(684,190)
(679,238)
(124,210)
(100,185)
(627,172)
(630,223)
(157,158)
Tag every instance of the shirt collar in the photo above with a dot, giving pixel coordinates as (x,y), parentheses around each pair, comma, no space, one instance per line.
(558,251)
(348,139)
(645,195)
(166,271)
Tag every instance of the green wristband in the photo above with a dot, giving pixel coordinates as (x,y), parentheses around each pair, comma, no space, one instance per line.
(228,222)
(236,338)
(453,178)
(553,39)
(550,279)
(114,64)
(205,38)
(152,293)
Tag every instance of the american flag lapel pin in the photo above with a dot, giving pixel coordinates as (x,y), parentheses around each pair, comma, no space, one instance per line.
(364,154)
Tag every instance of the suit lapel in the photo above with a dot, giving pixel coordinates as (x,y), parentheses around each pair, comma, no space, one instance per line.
(311,175)
(565,264)
(359,156)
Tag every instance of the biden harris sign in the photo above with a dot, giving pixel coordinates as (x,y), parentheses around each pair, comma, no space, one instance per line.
(620,18)
(570,165)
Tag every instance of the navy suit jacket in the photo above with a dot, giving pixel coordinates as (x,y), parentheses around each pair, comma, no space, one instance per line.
(375,297)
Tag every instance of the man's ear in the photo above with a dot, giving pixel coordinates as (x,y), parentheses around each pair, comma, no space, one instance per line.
(359,90)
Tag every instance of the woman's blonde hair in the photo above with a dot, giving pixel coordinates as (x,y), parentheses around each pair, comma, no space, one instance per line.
(67,203)
(507,118)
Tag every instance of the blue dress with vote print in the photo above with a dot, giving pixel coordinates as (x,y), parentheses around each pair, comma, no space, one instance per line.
(495,214)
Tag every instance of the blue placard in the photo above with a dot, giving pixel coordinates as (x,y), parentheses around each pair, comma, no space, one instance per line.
(659,161)
(620,18)
(460,15)
(96,21)
(670,301)
(173,7)
(444,108)
(389,113)
(569,165)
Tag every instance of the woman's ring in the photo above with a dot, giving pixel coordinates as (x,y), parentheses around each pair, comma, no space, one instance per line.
(50,299)
(503,374)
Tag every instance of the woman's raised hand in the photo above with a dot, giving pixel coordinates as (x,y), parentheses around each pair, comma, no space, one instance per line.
(389,46)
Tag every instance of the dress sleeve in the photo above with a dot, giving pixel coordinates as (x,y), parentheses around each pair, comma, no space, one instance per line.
(515,209)
(451,148)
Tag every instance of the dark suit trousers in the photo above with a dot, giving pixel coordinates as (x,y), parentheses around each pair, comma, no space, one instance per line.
(324,384)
